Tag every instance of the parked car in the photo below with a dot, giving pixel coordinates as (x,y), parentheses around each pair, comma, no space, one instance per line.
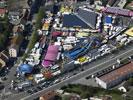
(2,87)
(24,85)
(39,88)
(30,91)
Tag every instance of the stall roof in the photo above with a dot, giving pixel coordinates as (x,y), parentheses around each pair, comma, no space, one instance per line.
(57,33)
(108,19)
(52,53)
(129,32)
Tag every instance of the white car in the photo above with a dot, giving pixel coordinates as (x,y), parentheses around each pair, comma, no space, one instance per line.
(56,81)
(39,78)
(24,85)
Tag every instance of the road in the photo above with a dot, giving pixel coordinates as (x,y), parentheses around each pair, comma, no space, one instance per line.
(94,67)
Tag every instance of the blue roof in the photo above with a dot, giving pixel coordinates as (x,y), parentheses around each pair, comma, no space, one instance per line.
(73,21)
(25,68)
(108,20)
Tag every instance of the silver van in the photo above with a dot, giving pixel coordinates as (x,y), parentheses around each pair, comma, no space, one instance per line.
(24,84)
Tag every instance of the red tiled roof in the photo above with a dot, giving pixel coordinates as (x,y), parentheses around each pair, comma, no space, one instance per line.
(116,74)
(2,11)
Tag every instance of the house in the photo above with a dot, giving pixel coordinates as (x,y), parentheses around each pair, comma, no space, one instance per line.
(130,6)
(115,77)
(122,3)
(18,28)
(2,12)
(111,2)
(48,96)
(14,17)
(4,58)
(15,45)
(3,4)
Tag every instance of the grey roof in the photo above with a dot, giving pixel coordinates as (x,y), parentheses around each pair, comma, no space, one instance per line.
(87,16)
(73,21)
(69,66)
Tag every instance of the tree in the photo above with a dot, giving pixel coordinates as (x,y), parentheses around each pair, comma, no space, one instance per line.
(40,16)
(34,36)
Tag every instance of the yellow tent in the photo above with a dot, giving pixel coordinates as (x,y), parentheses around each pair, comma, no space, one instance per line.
(82,34)
(129,32)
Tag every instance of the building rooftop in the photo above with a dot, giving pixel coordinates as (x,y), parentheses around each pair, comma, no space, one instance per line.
(88,16)
(111,2)
(2,11)
(16,41)
(48,96)
(116,74)
(73,21)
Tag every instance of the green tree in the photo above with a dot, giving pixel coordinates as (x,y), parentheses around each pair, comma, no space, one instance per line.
(40,16)
(34,36)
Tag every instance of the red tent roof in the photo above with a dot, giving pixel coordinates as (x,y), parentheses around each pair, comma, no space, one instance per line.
(54,34)
(51,55)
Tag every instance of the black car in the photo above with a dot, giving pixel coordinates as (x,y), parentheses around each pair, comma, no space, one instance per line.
(2,87)
(39,88)
(30,91)
(35,90)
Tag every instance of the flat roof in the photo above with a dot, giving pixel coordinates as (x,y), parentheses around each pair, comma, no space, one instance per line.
(118,73)
(129,32)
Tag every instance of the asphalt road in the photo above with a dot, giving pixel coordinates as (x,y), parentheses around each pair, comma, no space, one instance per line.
(126,52)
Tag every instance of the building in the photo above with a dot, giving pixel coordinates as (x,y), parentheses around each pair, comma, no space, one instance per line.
(73,21)
(115,77)
(4,58)
(18,28)
(111,2)
(130,6)
(2,12)
(3,4)
(15,45)
(122,3)
(87,16)
(129,32)
(48,96)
